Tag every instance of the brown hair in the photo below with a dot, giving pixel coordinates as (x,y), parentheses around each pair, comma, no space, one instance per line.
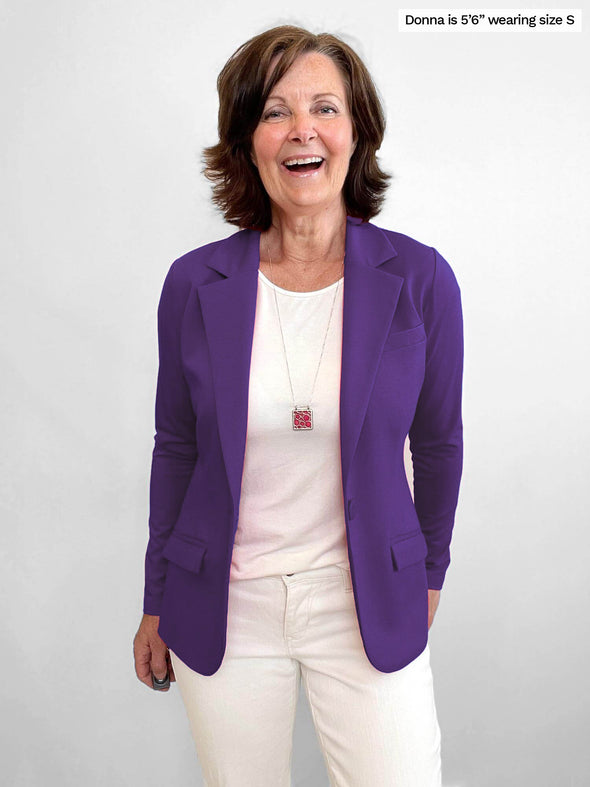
(238,190)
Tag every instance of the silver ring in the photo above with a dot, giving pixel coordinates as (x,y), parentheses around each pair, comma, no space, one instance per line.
(164,683)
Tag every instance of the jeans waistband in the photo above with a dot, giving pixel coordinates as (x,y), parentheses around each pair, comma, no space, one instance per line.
(341,570)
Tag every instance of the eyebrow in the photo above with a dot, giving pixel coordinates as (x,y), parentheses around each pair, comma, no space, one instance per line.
(313,98)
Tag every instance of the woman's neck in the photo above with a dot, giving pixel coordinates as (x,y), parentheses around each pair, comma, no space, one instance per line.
(305,243)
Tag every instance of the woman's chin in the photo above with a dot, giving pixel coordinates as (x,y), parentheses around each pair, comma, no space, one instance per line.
(309,204)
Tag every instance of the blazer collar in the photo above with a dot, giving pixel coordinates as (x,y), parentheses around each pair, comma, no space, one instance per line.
(365,244)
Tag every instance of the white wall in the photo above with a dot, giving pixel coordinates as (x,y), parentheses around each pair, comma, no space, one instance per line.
(106,108)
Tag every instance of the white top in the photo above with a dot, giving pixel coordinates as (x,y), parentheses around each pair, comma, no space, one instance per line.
(291,514)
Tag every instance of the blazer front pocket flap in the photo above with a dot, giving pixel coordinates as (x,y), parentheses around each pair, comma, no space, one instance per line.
(187,554)
(413,335)
(409,550)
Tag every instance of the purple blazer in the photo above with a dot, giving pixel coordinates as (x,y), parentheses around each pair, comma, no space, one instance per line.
(402,367)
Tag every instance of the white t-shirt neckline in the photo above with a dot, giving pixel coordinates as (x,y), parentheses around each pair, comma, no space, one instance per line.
(293,292)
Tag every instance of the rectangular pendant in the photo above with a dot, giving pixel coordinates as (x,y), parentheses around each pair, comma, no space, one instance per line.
(302,418)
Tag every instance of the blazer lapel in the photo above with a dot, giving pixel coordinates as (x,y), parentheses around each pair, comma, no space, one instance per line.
(370,299)
(229,305)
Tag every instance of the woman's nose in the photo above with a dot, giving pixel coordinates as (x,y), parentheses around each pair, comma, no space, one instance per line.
(302,129)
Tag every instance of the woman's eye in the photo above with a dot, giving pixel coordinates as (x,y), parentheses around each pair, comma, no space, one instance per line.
(277,114)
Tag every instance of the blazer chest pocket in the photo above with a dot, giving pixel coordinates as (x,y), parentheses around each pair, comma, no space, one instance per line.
(413,335)
(408,550)
(186,552)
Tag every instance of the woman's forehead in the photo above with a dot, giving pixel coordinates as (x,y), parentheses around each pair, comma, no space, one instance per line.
(311,72)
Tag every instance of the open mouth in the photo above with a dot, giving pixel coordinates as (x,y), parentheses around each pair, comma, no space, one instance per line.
(307,164)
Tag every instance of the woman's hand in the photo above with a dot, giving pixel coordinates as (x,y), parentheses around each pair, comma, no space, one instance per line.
(433,599)
(151,653)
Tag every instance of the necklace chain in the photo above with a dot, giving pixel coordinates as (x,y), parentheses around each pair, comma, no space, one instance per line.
(306,420)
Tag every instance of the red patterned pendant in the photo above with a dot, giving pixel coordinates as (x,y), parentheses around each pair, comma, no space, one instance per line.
(302,418)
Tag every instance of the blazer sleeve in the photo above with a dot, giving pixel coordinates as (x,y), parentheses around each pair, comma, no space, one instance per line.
(175,451)
(436,434)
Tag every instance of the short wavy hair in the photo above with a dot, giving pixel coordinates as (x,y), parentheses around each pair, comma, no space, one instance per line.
(238,190)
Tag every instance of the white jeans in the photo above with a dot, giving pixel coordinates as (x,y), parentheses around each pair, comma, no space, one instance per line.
(375,729)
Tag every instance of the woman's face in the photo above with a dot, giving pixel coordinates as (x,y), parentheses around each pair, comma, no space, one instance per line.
(305,117)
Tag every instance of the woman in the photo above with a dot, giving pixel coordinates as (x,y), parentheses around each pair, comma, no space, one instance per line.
(295,357)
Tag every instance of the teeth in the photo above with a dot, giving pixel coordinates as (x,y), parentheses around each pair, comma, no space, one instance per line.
(308,160)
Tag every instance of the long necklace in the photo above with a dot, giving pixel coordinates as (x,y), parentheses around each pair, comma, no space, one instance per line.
(302,415)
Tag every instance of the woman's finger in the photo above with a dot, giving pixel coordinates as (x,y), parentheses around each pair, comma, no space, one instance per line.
(159,663)
(142,654)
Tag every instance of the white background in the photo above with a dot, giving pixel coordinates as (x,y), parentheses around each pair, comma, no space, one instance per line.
(106,107)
